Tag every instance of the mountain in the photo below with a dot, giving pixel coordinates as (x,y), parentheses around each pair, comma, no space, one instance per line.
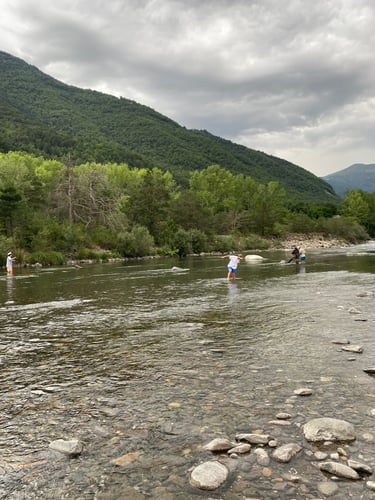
(357,176)
(43,116)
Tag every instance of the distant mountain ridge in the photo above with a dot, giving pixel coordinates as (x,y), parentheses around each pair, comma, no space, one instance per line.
(40,115)
(357,176)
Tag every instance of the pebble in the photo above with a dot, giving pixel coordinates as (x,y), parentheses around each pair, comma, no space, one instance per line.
(304,391)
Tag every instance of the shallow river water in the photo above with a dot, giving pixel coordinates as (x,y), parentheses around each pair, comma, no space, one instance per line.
(145,364)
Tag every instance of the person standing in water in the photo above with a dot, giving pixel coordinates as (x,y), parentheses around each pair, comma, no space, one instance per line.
(302,256)
(9,264)
(234,260)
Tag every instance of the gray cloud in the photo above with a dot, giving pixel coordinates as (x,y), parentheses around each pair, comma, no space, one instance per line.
(294,79)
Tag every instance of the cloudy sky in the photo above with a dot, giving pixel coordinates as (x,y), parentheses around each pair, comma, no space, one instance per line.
(292,78)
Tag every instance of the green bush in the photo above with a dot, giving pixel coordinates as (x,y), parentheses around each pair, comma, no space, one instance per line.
(90,254)
(182,242)
(198,240)
(136,243)
(255,242)
(300,223)
(48,258)
(224,243)
(64,237)
(342,227)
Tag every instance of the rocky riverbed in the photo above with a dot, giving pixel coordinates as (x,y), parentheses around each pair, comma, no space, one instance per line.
(121,382)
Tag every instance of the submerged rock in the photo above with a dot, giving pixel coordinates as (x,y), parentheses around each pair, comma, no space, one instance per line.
(219,444)
(253,438)
(328,429)
(340,470)
(209,475)
(286,452)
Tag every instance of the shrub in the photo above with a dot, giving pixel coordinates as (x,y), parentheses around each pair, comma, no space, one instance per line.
(90,254)
(182,242)
(49,258)
(199,241)
(136,243)
(342,227)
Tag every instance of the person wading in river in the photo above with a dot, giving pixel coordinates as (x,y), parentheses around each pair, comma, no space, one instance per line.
(234,260)
(9,264)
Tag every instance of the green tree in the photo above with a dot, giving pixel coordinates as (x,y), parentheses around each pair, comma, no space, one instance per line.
(149,201)
(355,206)
(10,202)
(267,208)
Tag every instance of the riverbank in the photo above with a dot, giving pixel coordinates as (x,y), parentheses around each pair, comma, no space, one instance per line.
(310,241)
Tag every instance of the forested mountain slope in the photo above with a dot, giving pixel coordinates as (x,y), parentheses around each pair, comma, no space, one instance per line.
(357,176)
(40,115)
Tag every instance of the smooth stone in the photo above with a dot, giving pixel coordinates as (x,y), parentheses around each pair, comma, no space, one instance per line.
(209,475)
(353,348)
(262,456)
(253,258)
(360,467)
(219,444)
(284,423)
(72,447)
(241,448)
(340,470)
(328,429)
(304,391)
(328,488)
(286,452)
(253,438)
(283,416)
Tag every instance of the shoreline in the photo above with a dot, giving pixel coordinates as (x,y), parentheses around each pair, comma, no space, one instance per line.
(312,242)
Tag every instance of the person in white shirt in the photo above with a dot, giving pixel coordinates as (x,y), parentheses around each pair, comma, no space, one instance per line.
(234,260)
(9,263)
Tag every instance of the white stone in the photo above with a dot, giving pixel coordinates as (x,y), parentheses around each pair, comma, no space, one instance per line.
(72,447)
(209,475)
(286,452)
(328,429)
(241,448)
(219,444)
(253,258)
(262,457)
(352,348)
(304,391)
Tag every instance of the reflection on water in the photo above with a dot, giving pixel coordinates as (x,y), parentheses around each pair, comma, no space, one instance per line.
(163,355)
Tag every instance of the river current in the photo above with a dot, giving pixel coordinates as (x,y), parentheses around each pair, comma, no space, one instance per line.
(146,361)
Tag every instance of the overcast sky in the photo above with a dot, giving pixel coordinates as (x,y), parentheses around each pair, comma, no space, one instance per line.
(292,78)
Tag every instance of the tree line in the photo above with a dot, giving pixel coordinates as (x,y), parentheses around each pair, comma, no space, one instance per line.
(51,210)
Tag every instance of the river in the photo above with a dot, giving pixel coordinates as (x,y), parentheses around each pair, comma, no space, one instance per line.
(145,363)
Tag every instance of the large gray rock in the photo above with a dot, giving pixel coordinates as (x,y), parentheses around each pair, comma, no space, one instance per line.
(209,475)
(328,429)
